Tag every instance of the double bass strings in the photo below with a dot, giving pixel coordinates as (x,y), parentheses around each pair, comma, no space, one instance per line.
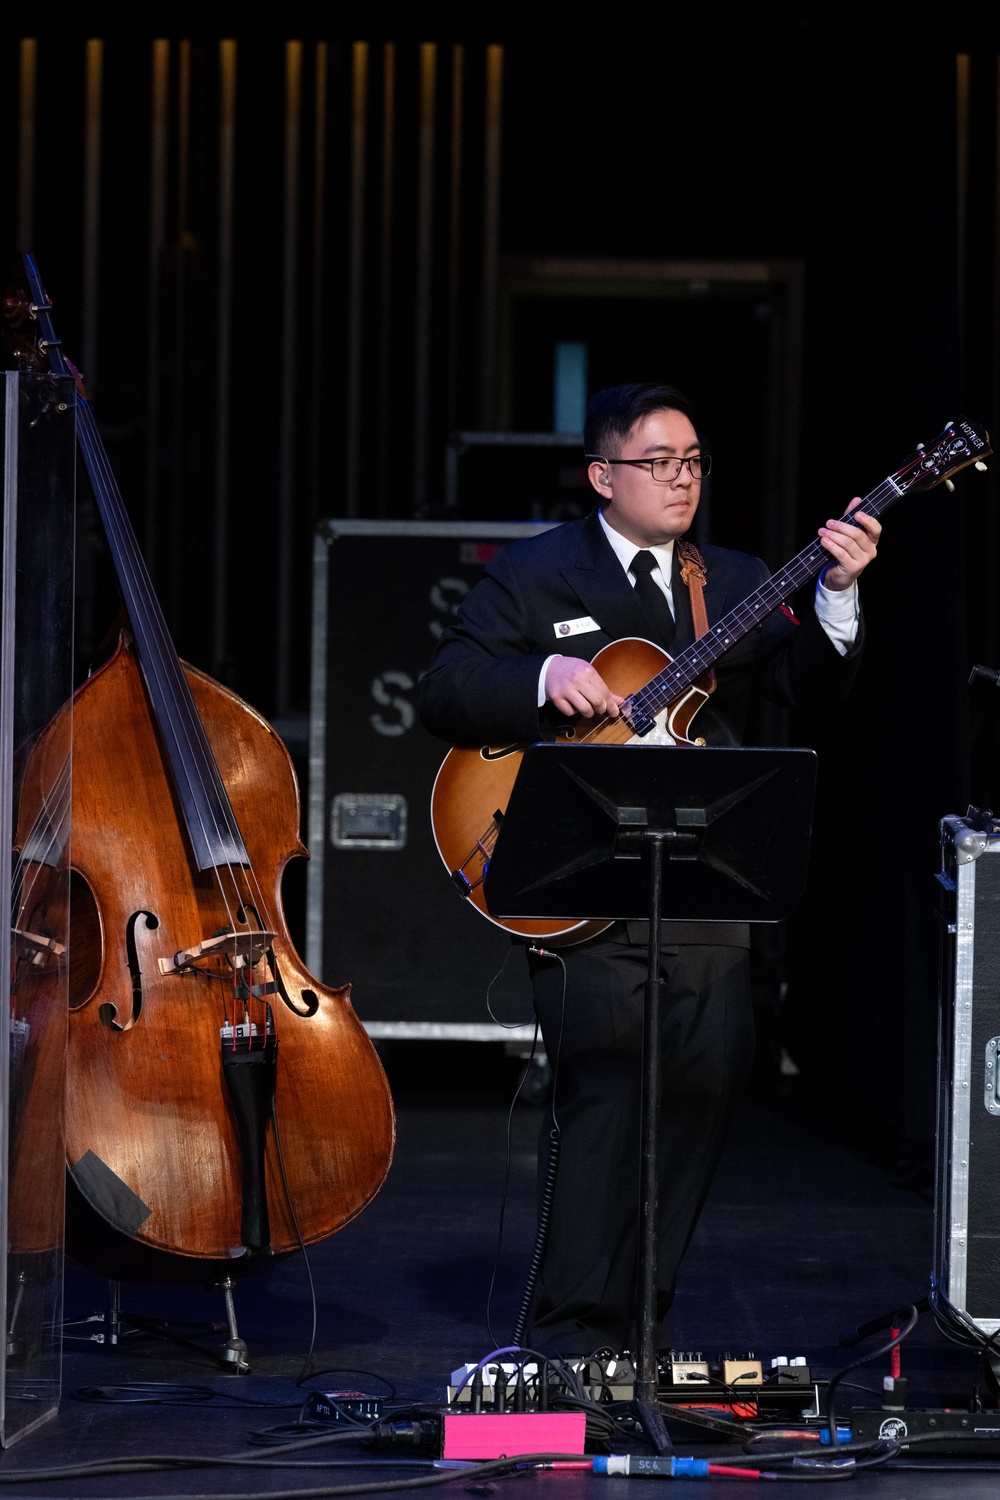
(237,882)
(199,784)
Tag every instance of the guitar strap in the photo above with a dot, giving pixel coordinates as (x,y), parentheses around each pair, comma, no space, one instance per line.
(693,573)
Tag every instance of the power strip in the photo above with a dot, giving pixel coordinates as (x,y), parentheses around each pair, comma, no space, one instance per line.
(614,1376)
(940,1430)
(343,1406)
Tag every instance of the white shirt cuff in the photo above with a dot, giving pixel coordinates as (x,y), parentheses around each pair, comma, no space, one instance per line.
(837,611)
(541,679)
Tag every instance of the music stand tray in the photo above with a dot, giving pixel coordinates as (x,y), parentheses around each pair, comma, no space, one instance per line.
(736,825)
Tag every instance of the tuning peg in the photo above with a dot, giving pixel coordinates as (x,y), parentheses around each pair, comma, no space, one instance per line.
(949,486)
(980,466)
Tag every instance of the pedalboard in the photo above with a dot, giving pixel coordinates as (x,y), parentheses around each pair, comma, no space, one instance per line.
(739,1385)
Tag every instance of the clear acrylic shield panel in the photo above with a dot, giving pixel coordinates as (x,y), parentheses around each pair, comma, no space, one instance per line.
(36,681)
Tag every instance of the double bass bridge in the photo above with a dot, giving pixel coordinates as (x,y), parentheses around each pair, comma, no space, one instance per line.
(240,949)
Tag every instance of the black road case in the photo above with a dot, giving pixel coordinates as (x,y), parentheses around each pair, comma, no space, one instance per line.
(381,911)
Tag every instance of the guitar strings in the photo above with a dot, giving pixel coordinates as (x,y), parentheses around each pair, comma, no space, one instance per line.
(654,695)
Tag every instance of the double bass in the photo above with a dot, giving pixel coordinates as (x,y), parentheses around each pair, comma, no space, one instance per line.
(222,1106)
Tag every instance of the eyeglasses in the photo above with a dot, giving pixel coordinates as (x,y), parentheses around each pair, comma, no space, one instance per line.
(663,470)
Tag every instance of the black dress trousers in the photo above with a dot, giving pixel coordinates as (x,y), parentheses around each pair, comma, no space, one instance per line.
(594,1040)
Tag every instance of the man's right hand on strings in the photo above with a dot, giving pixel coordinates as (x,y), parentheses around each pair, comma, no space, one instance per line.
(574,687)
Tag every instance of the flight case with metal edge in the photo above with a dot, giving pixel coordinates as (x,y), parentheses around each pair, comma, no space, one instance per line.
(381,911)
(967,1187)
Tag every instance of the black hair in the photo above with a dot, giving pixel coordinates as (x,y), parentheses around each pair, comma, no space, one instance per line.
(611,414)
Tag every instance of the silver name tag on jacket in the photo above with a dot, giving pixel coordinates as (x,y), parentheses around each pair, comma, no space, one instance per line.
(563,628)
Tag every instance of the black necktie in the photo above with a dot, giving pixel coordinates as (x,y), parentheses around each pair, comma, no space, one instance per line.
(652,598)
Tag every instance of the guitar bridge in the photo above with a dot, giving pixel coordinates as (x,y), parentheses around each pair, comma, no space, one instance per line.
(483,849)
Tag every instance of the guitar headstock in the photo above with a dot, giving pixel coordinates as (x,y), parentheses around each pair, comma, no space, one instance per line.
(960,444)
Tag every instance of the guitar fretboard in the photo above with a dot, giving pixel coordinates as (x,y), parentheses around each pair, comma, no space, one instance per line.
(698,658)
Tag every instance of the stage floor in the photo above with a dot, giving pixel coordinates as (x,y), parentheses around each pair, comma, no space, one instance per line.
(800,1239)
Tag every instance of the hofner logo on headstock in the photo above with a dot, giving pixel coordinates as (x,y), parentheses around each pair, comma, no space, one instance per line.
(971,433)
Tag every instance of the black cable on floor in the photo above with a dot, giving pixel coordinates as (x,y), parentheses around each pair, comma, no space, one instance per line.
(492,1468)
(166,1393)
(548,1191)
(831,1420)
(506,1186)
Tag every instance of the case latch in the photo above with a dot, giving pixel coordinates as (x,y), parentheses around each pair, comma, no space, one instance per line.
(991,1097)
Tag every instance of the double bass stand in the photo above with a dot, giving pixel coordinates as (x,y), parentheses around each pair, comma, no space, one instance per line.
(114,1327)
(621,832)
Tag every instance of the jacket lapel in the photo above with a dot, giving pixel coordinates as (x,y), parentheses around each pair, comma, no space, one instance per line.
(602,584)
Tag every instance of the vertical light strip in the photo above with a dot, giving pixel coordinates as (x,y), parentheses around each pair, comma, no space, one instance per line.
(355,274)
(93,90)
(160,83)
(991,642)
(491,234)
(178,488)
(385,300)
(223,348)
(425,260)
(962,79)
(26,131)
(317,424)
(455,232)
(286,460)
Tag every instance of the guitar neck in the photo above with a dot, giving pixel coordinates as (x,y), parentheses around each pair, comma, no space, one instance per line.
(706,651)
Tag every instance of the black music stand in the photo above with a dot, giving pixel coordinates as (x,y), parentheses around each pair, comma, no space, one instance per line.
(631,831)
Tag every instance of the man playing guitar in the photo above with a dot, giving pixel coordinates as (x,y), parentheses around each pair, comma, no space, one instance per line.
(496,678)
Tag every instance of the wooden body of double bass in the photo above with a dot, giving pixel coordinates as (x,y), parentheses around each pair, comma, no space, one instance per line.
(153,1154)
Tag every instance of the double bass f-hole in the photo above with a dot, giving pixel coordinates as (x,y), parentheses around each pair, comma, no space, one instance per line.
(277,984)
(107,1012)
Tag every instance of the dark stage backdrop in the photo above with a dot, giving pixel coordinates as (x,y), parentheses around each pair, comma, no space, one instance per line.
(288,262)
